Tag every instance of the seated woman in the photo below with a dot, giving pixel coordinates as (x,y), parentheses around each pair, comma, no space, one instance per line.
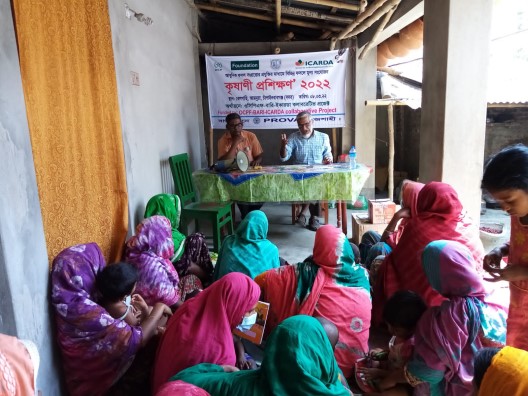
(87,335)
(150,251)
(329,284)
(298,360)
(248,251)
(373,244)
(447,337)
(19,364)
(191,255)
(501,372)
(200,330)
(439,215)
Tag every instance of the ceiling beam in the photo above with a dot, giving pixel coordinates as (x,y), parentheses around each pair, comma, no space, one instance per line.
(278,10)
(407,12)
(331,3)
(263,17)
(259,6)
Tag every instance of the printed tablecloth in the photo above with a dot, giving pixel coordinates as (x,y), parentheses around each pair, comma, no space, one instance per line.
(283,183)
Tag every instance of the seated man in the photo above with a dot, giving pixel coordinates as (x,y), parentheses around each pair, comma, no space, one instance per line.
(308,147)
(234,140)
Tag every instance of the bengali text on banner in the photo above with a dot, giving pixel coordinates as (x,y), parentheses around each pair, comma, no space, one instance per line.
(269,90)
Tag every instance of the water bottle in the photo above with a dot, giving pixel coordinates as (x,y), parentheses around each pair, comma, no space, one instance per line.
(352,158)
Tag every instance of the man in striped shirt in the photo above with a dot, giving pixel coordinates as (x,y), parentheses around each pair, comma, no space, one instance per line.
(307,147)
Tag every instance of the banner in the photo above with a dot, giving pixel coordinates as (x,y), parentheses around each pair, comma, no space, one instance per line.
(268,91)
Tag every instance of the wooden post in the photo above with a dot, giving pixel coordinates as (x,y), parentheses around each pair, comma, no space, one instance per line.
(278,10)
(390,115)
(334,143)
(211,146)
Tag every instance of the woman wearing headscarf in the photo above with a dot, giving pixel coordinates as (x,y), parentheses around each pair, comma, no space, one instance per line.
(328,284)
(96,348)
(191,255)
(19,364)
(298,360)
(200,330)
(150,251)
(439,215)
(373,244)
(248,251)
(448,336)
(501,372)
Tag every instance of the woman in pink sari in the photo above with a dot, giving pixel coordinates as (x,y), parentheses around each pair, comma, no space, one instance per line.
(328,284)
(440,215)
(200,330)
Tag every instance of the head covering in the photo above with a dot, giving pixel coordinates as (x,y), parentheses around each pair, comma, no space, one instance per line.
(298,360)
(180,388)
(409,199)
(507,375)
(328,284)
(168,205)
(200,330)
(150,251)
(372,247)
(248,251)
(87,335)
(447,337)
(17,367)
(195,251)
(439,216)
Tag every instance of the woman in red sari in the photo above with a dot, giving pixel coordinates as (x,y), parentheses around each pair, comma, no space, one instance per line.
(440,215)
(329,284)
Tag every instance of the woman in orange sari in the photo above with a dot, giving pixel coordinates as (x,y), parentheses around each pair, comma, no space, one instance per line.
(328,284)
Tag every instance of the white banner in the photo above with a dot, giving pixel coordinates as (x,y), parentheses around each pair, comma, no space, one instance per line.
(268,91)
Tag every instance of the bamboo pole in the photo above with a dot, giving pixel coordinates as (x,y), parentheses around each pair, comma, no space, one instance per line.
(389,70)
(211,146)
(268,18)
(334,142)
(278,10)
(373,18)
(385,102)
(361,17)
(390,119)
(330,3)
(379,29)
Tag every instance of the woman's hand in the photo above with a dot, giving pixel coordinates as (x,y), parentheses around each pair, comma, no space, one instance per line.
(403,213)
(242,363)
(373,373)
(508,273)
(492,260)
(229,369)
(139,303)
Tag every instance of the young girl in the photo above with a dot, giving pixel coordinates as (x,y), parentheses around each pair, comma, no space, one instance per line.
(116,283)
(401,314)
(506,179)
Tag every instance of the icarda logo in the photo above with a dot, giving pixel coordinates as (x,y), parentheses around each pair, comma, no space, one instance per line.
(315,63)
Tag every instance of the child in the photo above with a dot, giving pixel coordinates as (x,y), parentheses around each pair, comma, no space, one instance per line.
(506,179)
(401,314)
(116,283)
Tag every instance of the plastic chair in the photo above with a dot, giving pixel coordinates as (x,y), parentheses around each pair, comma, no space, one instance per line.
(219,214)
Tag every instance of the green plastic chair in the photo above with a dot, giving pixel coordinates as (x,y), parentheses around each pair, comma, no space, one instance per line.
(219,214)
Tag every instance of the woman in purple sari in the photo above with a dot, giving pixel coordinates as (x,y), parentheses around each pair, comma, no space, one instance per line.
(96,348)
(150,251)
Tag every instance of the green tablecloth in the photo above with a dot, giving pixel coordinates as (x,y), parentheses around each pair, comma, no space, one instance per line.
(285,183)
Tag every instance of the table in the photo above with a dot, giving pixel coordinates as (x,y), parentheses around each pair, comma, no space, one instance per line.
(285,183)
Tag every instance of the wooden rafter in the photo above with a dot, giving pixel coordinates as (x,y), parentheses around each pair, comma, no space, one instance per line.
(379,29)
(361,17)
(264,17)
(330,3)
(278,10)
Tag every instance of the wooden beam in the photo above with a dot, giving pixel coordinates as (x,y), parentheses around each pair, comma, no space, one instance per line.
(268,18)
(330,3)
(408,11)
(259,6)
(380,28)
(385,102)
(278,10)
(361,17)
(390,120)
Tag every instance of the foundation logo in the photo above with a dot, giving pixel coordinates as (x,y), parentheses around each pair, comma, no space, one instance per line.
(245,65)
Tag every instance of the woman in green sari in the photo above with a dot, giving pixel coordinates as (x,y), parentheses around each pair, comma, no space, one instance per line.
(298,360)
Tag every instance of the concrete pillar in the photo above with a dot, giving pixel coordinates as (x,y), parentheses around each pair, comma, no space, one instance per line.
(455,65)
(364,120)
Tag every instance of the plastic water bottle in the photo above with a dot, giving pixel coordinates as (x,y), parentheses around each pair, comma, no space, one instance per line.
(352,158)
